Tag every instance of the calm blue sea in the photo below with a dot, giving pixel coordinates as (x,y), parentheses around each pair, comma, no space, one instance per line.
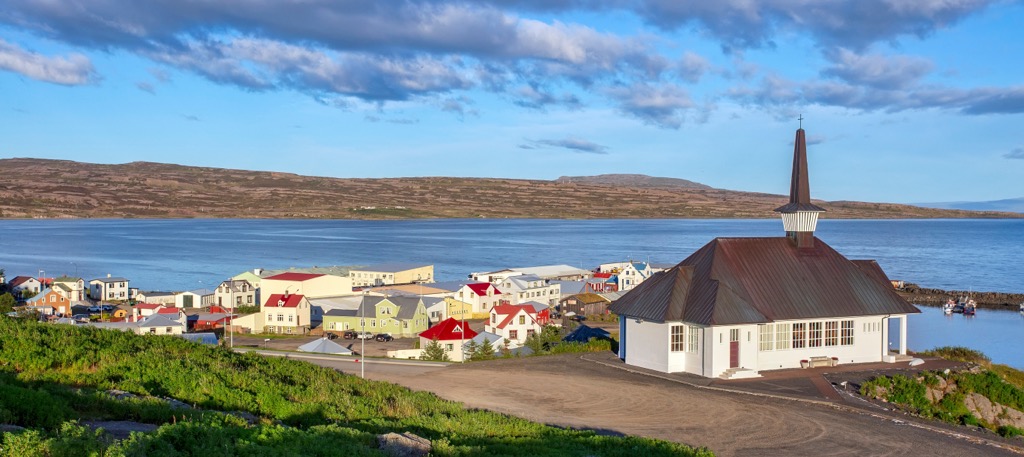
(986,255)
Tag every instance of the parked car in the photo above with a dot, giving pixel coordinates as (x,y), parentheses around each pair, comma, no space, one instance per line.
(107,307)
(364,335)
(349,334)
(94,309)
(384,337)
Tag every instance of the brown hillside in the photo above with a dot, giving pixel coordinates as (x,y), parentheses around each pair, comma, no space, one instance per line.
(58,188)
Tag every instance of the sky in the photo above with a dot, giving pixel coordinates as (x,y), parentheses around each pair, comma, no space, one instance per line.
(902,101)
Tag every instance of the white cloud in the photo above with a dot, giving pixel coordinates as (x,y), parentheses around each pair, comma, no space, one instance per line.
(72,70)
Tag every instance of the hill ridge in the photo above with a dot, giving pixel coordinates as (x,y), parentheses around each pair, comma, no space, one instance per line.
(43,188)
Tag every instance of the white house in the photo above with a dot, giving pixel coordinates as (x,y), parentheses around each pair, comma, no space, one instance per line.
(514,323)
(109,288)
(70,288)
(482,296)
(193,298)
(738,306)
(21,284)
(524,288)
(632,274)
(234,293)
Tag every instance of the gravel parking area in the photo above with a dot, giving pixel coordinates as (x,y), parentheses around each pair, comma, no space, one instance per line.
(568,391)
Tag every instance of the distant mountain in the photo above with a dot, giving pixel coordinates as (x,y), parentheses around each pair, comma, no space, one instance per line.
(629,180)
(1012,205)
(37,188)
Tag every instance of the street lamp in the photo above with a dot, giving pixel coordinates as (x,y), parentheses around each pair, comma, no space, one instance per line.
(362,338)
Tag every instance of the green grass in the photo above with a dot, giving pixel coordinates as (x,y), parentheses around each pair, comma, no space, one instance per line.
(52,375)
(999,383)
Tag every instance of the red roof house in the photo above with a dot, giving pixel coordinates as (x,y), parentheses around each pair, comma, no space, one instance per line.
(447,330)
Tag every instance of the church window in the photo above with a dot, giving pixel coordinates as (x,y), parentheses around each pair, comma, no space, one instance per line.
(846,337)
(678,335)
(766,334)
(814,335)
(831,333)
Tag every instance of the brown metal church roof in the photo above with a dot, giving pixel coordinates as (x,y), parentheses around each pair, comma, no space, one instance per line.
(760,280)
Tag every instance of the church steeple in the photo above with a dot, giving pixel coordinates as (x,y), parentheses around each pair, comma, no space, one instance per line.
(800,216)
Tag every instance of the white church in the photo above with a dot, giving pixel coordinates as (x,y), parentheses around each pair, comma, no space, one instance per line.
(739,306)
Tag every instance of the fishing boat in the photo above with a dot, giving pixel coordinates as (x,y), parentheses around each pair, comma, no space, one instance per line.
(970,307)
(947,309)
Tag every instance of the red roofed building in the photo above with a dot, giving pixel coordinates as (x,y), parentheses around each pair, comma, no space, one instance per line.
(309,285)
(450,333)
(285,313)
(482,296)
(516,323)
(738,306)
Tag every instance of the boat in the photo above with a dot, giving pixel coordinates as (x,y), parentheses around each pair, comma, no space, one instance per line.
(970,307)
(948,307)
(1021,307)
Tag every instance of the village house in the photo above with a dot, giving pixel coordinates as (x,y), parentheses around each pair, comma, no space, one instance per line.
(311,285)
(524,288)
(516,323)
(109,289)
(285,314)
(254,277)
(49,297)
(234,293)
(199,298)
(71,288)
(586,304)
(25,285)
(451,334)
(160,298)
(398,316)
(482,296)
(549,272)
(739,306)
(392,273)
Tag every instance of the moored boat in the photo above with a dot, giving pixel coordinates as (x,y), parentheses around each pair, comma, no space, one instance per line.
(970,307)
(948,307)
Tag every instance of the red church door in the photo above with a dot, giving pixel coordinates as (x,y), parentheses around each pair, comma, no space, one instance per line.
(734,348)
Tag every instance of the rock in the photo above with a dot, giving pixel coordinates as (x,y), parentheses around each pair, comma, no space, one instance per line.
(403,445)
(10,428)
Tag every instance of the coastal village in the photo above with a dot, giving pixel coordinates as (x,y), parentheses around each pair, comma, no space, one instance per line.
(790,316)
(736,307)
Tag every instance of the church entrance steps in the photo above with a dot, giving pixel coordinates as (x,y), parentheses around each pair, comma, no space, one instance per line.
(739,373)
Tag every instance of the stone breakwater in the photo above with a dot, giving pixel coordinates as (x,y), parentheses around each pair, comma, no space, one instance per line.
(936,297)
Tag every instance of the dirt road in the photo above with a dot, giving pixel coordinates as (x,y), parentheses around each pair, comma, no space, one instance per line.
(568,391)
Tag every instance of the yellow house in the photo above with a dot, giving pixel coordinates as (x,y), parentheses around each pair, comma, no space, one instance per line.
(392,273)
(398,316)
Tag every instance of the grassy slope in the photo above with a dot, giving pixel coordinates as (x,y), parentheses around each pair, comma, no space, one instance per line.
(51,374)
(57,188)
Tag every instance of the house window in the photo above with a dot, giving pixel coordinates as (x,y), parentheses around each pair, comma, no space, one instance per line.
(691,338)
(782,334)
(846,337)
(529,333)
(406,323)
(238,300)
(522,320)
(831,333)
(373,322)
(249,299)
(494,318)
(280,317)
(291,318)
(167,330)
(766,337)
(678,338)
(513,334)
(799,335)
(814,336)
(330,325)
(270,317)
(449,347)
(152,330)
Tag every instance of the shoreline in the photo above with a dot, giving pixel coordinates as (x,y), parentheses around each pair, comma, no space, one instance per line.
(985,300)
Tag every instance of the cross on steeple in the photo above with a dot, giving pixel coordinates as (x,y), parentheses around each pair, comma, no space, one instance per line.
(801,119)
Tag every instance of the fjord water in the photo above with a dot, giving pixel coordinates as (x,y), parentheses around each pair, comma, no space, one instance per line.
(180,254)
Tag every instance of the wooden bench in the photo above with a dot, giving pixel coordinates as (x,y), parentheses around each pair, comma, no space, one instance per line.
(820,361)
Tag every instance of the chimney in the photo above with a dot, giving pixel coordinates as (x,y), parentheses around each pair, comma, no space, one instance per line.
(800,216)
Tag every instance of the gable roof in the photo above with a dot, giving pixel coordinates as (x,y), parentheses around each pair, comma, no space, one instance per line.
(110,279)
(19,280)
(511,311)
(147,305)
(446,330)
(158,320)
(480,288)
(299,277)
(587,298)
(290,301)
(760,280)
